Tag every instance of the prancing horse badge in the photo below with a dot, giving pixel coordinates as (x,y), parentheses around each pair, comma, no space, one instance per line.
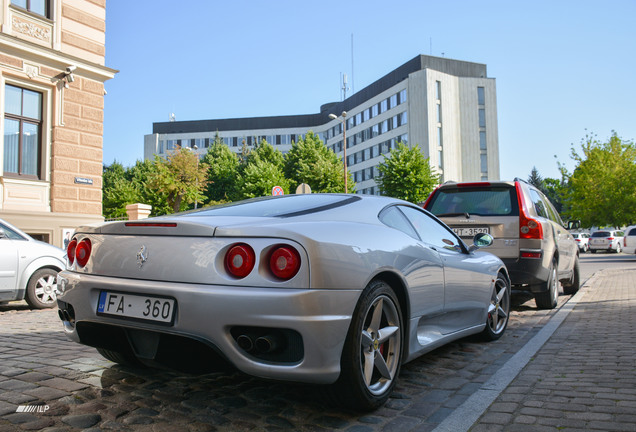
(142,256)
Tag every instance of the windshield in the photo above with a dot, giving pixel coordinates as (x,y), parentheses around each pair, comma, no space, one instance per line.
(482,201)
(284,206)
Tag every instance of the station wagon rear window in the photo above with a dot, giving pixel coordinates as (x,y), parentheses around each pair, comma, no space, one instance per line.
(284,206)
(482,201)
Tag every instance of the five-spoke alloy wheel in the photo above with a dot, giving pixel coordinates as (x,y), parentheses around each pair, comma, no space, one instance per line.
(373,350)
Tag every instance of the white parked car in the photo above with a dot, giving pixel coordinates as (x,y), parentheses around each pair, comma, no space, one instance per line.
(582,240)
(28,268)
(606,240)
(629,241)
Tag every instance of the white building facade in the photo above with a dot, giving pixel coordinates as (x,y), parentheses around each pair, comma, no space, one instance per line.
(446,107)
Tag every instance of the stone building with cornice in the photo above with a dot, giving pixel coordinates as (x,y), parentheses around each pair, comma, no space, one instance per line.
(52,74)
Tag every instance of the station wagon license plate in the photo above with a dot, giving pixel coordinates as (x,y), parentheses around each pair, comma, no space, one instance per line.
(471,231)
(134,306)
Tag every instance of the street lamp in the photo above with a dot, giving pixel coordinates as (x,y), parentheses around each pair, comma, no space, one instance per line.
(344,141)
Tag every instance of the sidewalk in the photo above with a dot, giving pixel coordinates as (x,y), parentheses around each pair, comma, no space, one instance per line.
(584,377)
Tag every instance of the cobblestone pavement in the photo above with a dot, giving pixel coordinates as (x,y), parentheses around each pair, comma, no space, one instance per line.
(584,377)
(79,390)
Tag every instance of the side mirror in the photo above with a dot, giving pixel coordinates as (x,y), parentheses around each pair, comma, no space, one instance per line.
(2,233)
(573,224)
(481,240)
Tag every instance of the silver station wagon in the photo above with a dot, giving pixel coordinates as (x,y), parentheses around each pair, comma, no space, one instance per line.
(337,290)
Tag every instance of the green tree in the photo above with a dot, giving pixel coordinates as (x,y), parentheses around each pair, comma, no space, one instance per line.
(259,177)
(535,179)
(601,188)
(118,191)
(139,175)
(266,152)
(310,161)
(181,177)
(223,172)
(406,174)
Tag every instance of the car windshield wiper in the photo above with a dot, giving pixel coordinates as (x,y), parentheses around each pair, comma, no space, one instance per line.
(454,214)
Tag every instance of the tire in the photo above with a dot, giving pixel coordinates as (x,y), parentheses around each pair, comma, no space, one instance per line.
(571,287)
(498,310)
(124,359)
(618,248)
(548,298)
(41,290)
(372,352)
(586,248)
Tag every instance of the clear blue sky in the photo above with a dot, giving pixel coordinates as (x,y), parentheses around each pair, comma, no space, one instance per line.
(563,68)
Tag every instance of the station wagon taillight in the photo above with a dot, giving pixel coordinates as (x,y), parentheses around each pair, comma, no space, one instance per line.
(284,262)
(240,260)
(529,228)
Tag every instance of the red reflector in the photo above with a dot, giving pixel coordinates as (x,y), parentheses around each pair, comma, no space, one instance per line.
(70,251)
(239,260)
(284,262)
(610,238)
(530,254)
(151,224)
(83,252)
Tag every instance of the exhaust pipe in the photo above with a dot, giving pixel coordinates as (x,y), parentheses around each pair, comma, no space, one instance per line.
(245,342)
(267,343)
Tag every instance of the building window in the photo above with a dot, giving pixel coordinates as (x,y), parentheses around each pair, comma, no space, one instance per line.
(482,140)
(438,90)
(439,113)
(384,105)
(484,163)
(40,7)
(482,117)
(394,101)
(22,131)
(374,110)
(403,96)
(440,159)
(440,141)
(481,98)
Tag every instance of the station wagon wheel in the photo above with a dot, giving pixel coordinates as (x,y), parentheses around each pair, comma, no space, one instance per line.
(373,350)
(498,310)
(42,289)
(548,298)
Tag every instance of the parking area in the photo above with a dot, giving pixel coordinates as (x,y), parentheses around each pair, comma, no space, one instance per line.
(71,387)
(81,389)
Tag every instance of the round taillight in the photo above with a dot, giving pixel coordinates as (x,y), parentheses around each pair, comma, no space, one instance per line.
(284,262)
(83,252)
(70,251)
(239,260)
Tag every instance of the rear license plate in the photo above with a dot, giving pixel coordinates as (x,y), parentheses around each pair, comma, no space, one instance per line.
(472,231)
(134,306)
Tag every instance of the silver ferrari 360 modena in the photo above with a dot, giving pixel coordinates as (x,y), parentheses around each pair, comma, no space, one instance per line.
(331,289)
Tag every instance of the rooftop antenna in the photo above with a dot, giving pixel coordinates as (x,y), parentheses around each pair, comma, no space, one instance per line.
(172,117)
(344,86)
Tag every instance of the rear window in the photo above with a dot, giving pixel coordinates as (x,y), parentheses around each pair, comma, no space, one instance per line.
(482,201)
(284,206)
(601,234)
(632,232)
